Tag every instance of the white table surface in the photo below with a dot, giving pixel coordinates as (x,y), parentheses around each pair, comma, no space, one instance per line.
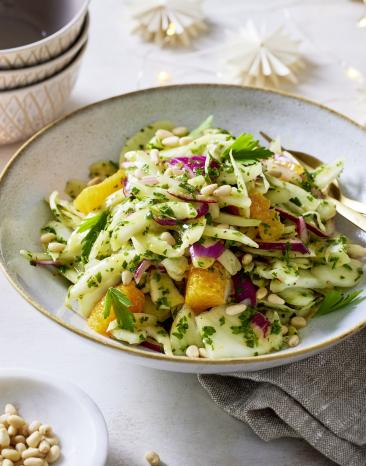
(147,409)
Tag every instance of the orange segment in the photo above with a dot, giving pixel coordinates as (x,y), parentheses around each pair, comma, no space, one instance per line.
(271,228)
(92,197)
(206,287)
(96,320)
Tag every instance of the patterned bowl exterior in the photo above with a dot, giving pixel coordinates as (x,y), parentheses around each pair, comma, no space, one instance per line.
(11,79)
(24,111)
(45,49)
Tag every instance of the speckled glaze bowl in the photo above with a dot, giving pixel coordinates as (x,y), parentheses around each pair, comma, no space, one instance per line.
(60,22)
(11,79)
(66,149)
(25,110)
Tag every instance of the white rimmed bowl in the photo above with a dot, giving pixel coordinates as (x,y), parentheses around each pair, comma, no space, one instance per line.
(25,110)
(74,416)
(11,79)
(60,20)
(66,149)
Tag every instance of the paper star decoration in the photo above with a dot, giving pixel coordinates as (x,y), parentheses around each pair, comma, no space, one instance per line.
(168,22)
(259,57)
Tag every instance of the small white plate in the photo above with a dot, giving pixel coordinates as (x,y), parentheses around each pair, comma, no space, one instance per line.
(75,418)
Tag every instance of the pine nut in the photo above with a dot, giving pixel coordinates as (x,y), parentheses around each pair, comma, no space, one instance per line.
(7,462)
(24,430)
(185,140)
(180,131)
(54,246)
(152,458)
(45,429)
(294,340)
(31,453)
(4,419)
(166,236)
(34,462)
(284,329)
(19,439)
(261,293)
(192,351)
(20,447)
(235,309)
(154,155)
(54,454)
(126,277)
(16,421)
(209,189)
(10,454)
(52,440)
(224,190)
(163,133)
(298,322)
(203,352)
(44,447)
(247,259)
(94,181)
(275,299)
(170,141)
(34,439)
(4,438)
(10,409)
(45,239)
(12,431)
(34,426)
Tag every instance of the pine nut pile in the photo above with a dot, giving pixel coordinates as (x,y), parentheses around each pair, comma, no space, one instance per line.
(26,444)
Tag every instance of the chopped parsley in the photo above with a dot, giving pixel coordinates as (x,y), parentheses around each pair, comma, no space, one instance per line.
(95,225)
(246,148)
(119,302)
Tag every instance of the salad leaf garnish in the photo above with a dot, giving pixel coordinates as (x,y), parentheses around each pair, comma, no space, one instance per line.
(120,303)
(95,225)
(335,300)
(246,148)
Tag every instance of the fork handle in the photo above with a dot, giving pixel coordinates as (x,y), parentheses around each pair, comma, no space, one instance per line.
(355,205)
(354,217)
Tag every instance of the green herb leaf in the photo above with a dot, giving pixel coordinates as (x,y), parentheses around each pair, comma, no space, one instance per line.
(95,225)
(119,302)
(335,300)
(246,148)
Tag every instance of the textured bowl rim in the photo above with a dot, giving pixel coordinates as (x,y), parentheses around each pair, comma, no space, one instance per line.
(59,32)
(141,353)
(73,62)
(77,393)
(80,41)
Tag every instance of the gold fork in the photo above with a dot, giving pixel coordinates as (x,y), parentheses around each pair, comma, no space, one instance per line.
(349,208)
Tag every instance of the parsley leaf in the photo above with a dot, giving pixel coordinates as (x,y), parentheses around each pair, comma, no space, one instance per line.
(95,225)
(119,302)
(335,300)
(246,148)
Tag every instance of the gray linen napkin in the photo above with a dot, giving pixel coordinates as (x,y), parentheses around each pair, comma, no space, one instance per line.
(321,399)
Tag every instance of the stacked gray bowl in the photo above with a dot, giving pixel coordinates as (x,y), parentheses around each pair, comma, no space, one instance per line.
(42,43)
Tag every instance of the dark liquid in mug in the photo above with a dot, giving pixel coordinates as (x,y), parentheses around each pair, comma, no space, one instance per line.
(15,32)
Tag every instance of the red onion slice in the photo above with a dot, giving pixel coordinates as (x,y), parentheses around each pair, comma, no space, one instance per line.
(46,262)
(302,230)
(231,209)
(141,269)
(244,289)
(214,251)
(262,322)
(295,246)
(194,163)
(153,346)
(294,219)
(202,210)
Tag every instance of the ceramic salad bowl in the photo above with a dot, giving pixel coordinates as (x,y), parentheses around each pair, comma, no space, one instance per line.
(66,148)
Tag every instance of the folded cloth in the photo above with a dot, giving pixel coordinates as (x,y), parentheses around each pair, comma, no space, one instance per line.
(321,399)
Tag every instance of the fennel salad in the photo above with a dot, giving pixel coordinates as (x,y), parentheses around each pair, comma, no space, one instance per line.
(201,244)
